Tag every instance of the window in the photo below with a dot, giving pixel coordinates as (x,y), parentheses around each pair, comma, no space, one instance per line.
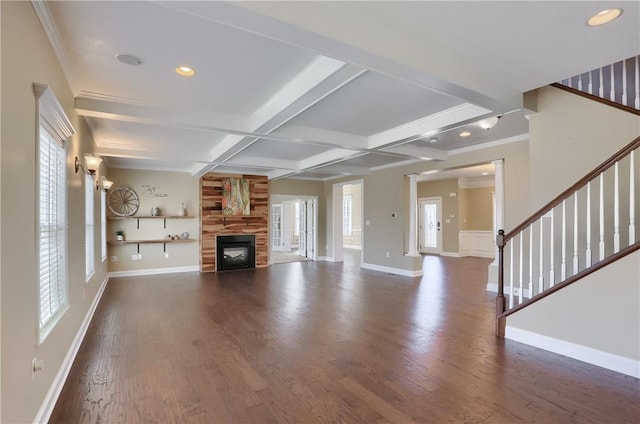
(103,224)
(346,215)
(88,226)
(54,128)
(53,232)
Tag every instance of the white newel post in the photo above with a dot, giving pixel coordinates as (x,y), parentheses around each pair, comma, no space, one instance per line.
(499,221)
(412,249)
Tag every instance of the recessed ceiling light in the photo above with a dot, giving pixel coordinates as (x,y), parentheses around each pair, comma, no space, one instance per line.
(433,140)
(465,134)
(185,71)
(485,173)
(129,59)
(604,16)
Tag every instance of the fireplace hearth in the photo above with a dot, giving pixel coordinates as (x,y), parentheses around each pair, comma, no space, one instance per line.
(235,252)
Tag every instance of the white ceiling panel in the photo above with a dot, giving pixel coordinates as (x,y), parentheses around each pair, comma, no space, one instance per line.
(236,71)
(282,150)
(374,103)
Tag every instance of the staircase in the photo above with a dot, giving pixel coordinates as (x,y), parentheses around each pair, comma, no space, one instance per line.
(589,225)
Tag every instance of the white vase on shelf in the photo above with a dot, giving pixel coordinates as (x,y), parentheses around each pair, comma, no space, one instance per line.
(182,211)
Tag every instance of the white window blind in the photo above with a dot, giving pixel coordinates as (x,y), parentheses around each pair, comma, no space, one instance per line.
(346,215)
(103,223)
(89,227)
(52,240)
(54,127)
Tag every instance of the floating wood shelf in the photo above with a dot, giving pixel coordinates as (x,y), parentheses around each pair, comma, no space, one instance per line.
(139,217)
(120,243)
(111,218)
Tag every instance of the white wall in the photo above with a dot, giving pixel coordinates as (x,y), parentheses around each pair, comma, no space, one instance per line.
(166,190)
(27,57)
(570,136)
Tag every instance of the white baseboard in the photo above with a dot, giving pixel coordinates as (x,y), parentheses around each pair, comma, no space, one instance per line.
(153,271)
(582,353)
(49,402)
(390,270)
(326,258)
(451,254)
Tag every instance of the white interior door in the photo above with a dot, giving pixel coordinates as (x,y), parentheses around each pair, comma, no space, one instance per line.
(276,228)
(430,225)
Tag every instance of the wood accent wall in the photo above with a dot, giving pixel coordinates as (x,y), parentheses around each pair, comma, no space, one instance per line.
(213,223)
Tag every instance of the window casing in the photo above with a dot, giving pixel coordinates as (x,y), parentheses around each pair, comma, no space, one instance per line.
(103,224)
(89,227)
(51,206)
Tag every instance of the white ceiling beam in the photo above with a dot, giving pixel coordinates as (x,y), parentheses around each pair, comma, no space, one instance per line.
(122,110)
(429,124)
(342,169)
(330,156)
(261,162)
(422,152)
(321,137)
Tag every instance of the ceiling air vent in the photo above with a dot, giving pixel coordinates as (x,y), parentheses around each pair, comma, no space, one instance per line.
(129,59)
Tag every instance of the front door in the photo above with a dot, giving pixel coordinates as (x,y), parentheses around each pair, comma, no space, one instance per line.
(430,226)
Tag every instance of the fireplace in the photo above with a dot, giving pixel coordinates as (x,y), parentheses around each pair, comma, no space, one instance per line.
(235,252)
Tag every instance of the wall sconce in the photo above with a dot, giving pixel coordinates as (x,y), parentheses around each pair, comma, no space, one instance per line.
(91,164)
(103,184)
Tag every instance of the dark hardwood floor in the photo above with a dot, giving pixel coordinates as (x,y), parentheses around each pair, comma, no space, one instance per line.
(318,342)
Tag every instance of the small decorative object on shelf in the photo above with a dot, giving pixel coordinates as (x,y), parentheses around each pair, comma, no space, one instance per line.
(120,235)
(184,235)
(182,211)
(155,211)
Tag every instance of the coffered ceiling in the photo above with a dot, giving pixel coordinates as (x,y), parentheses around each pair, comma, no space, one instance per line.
(317,90)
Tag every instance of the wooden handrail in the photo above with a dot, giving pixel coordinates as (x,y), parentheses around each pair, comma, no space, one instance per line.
(595,98)
(616,256)
(575,187)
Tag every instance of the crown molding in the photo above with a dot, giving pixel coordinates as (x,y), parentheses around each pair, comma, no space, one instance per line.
(51,30)
(476,182)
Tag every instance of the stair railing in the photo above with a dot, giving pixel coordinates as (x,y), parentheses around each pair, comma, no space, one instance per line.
(586,227)
(618,83)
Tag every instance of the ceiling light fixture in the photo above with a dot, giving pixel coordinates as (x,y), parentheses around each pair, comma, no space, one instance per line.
(489,123)
(185,71)
(485,173)
(433,140)
(604,17)
(465,134)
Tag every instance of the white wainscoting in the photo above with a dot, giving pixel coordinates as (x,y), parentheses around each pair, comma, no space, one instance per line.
(477,243)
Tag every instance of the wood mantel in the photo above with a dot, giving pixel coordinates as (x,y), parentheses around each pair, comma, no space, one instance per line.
(214,223)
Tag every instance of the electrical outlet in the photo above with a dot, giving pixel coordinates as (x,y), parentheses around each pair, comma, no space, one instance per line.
(166,255)
(36,365)
(139,256)
(387,254)
(134,257)
(114,259)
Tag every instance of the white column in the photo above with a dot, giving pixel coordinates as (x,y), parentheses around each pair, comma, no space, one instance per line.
(413,216)
(499,196)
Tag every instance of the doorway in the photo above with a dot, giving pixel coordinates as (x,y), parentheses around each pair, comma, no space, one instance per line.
(430,225)
(293,222)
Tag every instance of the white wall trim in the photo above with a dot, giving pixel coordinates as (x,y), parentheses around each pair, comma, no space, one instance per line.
(451,254)
(326,258)
(153,271)
(476,243)
(49,402)
(582,353)
(514,139)
(391,270)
